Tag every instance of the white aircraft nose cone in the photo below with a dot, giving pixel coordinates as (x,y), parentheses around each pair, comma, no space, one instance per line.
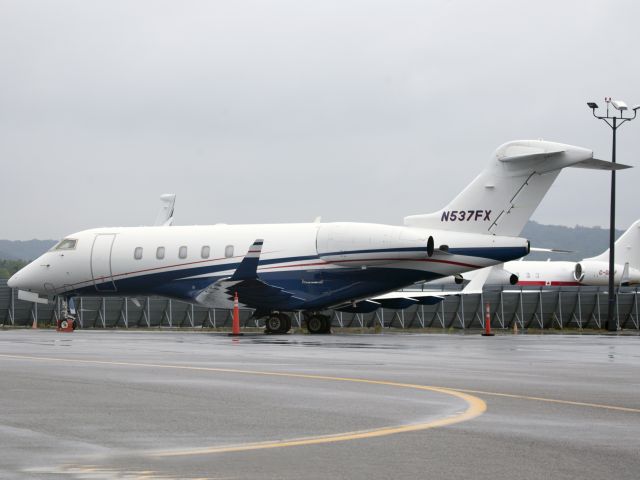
(13,281)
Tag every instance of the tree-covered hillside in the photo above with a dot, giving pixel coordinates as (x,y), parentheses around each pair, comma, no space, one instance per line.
(9,267)
(24,249)
(584,242)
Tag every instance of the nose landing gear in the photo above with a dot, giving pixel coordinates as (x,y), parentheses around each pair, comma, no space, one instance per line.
(67,321)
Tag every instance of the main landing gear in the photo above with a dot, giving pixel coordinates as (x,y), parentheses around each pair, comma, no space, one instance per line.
(277,323)
(280,323)
(318,323)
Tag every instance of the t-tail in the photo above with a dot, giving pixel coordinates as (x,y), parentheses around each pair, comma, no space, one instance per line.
(503,197)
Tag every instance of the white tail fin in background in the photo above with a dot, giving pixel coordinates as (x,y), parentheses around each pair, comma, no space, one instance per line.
(503,197)
(627,248)
(165,215)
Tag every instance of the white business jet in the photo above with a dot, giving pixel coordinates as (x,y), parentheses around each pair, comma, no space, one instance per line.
(310,267)
(592,271)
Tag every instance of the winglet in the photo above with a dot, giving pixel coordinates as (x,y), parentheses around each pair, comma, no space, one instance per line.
(248,268)
(624,280)
(478,281)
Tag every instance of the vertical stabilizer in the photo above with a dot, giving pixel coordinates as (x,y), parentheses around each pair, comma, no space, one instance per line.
(165,215)
(627,248)
(503,197)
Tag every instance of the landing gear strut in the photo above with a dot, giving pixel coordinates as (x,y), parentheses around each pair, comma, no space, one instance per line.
(318,324)
(67,321)
(277,323)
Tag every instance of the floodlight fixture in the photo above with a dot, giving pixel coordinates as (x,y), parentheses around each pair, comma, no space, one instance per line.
(619,105)
(636,108)
(594,105)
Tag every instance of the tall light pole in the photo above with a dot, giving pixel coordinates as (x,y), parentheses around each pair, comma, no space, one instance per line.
(614,120)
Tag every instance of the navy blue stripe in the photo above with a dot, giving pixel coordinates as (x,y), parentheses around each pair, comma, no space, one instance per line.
(378,250)
(503,254)
(283,260)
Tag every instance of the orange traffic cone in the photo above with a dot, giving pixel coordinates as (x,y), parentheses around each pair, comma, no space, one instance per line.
(487,323)
(235,326)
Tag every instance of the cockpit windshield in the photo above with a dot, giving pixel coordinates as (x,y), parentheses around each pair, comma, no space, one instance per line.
(66,244)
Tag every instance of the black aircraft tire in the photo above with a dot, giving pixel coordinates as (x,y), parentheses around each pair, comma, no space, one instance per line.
(273,324)
(316,324)
(285,321)
(327,325)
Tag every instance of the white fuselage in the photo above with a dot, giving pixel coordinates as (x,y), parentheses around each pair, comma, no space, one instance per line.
(564,273)
(320,265)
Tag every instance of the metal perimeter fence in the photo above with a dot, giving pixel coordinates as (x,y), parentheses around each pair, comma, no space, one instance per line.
(535,308)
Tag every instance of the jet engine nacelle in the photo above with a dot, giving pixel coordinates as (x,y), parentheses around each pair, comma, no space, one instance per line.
(371,244)
(500,276)
(362,244)
(596,273)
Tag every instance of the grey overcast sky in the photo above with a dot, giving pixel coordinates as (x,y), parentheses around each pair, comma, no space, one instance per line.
(279,111)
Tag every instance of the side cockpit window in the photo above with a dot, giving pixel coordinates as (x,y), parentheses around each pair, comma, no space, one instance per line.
(66,244)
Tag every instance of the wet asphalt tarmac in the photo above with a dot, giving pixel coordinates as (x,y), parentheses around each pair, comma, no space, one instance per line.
(172,405)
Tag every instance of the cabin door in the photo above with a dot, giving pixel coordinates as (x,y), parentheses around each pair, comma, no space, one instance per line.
(101,262)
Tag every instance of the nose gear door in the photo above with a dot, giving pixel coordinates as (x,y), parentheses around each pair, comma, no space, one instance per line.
(101,262)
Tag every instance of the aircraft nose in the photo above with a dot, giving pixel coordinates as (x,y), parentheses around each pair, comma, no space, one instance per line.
(14,280)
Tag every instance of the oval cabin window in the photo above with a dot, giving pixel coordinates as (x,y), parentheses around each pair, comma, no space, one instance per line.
(137,253)
(205,252)
(182,252)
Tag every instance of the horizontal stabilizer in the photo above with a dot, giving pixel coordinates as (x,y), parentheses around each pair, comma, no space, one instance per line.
(549,250)
(596,164)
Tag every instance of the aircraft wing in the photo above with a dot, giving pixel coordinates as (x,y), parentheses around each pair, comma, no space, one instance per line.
(478,281)
(405,298)
(251,290)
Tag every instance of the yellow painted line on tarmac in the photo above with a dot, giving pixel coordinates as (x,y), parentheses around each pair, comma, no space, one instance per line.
(551,400)
(476,407)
